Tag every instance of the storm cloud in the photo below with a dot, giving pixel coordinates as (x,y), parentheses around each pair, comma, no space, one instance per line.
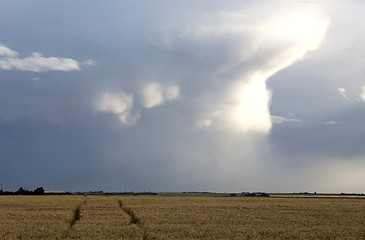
(182,96)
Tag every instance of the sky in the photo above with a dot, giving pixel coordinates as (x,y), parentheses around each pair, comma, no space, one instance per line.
(221,96)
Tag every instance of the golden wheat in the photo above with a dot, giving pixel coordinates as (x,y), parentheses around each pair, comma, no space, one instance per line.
(37,217)
(163,217)
(245,217)
(102,218)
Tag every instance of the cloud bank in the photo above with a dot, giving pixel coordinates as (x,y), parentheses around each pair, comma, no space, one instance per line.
(183,97)
(219,120)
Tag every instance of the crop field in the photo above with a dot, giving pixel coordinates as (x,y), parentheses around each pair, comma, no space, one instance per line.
(181,217)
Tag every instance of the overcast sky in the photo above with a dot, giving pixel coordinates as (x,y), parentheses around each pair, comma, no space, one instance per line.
(206,95)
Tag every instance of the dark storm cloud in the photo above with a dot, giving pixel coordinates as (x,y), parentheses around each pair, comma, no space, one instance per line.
(342,138)
(49,155)
(154,110)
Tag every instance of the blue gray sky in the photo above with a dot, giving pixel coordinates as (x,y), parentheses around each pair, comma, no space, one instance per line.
(224,96)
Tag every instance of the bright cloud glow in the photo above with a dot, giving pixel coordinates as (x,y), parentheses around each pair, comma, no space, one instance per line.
(276,45)
(303,27)
(9,60)
(250,109)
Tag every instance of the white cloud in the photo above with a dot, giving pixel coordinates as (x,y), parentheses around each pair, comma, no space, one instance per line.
(89,62)
(120,104)
(9,60)
(362,95)
(6,52)
(342,92)
(154,94)
(204,123)
(291,115)
(331,122)
(172,92)
(279,119)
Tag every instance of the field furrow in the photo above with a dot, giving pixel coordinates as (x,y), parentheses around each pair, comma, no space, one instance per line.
(102,218)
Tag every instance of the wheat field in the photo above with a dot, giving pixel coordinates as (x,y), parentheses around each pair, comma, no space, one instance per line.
(180,217)
(36,217)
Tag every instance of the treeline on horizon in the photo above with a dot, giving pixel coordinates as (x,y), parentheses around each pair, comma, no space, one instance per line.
(22,191)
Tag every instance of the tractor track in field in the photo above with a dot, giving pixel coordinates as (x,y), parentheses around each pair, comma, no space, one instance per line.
(130,212)
(76,217)
(134,219)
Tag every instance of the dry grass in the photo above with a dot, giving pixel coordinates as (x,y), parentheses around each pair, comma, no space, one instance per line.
(161,217)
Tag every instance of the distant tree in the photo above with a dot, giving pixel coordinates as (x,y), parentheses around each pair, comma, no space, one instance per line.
(39,191)
(22,191)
